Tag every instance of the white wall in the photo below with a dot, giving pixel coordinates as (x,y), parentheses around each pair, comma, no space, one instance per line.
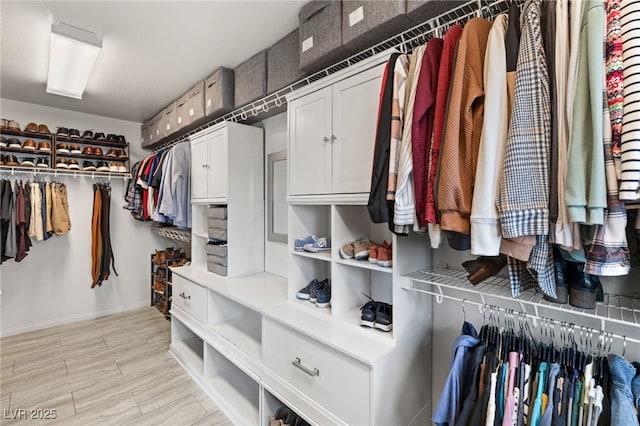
(52,285)
(275,140)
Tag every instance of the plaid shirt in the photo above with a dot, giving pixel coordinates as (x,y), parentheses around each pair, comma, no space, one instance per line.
(523,200)
(609,253)
(133,195)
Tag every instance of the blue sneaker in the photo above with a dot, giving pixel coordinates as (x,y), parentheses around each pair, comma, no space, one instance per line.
(298,245)
(318,245)
(305,293)
(313,294)
(323,298)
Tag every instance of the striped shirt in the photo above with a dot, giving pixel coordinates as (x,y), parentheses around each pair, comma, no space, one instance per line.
(630,145)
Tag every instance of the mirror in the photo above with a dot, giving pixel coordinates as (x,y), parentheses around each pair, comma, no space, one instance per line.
(277,219)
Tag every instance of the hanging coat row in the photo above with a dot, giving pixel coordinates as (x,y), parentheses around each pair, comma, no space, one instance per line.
(35,210)
(515,137)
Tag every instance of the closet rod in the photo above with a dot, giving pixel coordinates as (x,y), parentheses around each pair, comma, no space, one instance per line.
(5,170)
(483,307)
(486,8)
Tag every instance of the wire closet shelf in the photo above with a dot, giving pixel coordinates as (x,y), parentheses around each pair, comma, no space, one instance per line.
(20,171)
(620,311)
(404,42)
(173,233)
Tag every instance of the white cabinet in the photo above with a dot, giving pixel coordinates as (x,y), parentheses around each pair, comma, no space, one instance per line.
(332,135)
(227,162)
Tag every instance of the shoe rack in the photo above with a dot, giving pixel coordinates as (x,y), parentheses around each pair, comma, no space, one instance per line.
(162,281)
(351,280)
(54,154)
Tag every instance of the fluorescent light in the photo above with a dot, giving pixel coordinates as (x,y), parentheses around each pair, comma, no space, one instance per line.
(73,53)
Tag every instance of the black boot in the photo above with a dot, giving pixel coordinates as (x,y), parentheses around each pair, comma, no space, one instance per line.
(584,287)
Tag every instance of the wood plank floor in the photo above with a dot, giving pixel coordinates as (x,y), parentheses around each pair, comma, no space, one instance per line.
(113,370)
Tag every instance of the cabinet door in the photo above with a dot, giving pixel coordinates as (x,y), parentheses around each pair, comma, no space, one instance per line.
(218,165)
(199,167)
(310,144)
(355,116)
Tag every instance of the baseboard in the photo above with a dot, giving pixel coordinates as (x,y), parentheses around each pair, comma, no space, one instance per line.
(72,318)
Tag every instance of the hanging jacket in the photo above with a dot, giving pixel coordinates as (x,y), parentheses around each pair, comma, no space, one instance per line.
(485,227)
(404,201)
(523,201)
(442,95)
(463,127)
(585,187)
(630,144)
(422,127)
(377,204)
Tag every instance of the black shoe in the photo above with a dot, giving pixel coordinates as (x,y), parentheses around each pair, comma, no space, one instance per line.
(368,317)
(121,140)
(561,267)
(74,133)
(62,131)
(87,134)
(384,317)
(42,162)
(28,162)
(102,166)
(112,138)
(282,413)
(99,137)
(584,287)
(88,166)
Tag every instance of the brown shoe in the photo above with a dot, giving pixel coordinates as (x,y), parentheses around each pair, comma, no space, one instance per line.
(3,123)
(159,257)
(13,125)
(61,163)
(385,255)
(485,267)
(72,164)
(44,146)
(31,127)
(112,153)
(3,142)
(42,128)
(122,154)
(11,160)
(98,151)
(88,150)
(62,148)
(75,149)
(29,144)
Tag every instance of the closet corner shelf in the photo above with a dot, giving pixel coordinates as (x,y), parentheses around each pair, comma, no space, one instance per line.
(173,233)
(622,310)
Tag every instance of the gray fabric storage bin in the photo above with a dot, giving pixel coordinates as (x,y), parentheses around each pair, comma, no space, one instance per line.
(216,223)
(283,62)
(218,92)
(218,233)
(182,118)
(366,23)
(144,133)
(420,11)
(320,35)
(169,121)
(220,260)
(217,213)
(216,268)
(195,103)
(155,133)
(219,250)
(251,79)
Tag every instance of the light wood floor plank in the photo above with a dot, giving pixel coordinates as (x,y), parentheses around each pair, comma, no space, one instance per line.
(111,370)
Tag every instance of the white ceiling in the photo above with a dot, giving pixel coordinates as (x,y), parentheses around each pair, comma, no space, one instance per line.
(153,51)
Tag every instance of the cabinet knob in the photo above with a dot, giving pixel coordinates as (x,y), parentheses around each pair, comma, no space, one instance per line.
(333,137)
(325,139)
(204,166)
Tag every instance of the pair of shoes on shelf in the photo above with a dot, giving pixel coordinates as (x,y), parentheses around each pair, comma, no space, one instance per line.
(573,285)
(317,292)
(284,416)
(363,249)
(377,315)
(484,267)
(313,244)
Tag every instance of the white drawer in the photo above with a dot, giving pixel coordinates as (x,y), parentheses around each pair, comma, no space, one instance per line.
(190,297)
(334,380)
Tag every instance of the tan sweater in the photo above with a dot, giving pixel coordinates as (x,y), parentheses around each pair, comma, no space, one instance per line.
(463,128)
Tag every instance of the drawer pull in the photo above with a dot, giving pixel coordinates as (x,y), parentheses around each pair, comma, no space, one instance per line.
(312,373)
(184,296)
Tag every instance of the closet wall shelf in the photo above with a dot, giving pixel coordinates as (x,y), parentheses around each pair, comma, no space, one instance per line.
(11,170)
(403,42)
(173,233)
(441,282)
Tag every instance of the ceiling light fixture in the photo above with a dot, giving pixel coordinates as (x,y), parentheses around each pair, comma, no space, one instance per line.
(73,53)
